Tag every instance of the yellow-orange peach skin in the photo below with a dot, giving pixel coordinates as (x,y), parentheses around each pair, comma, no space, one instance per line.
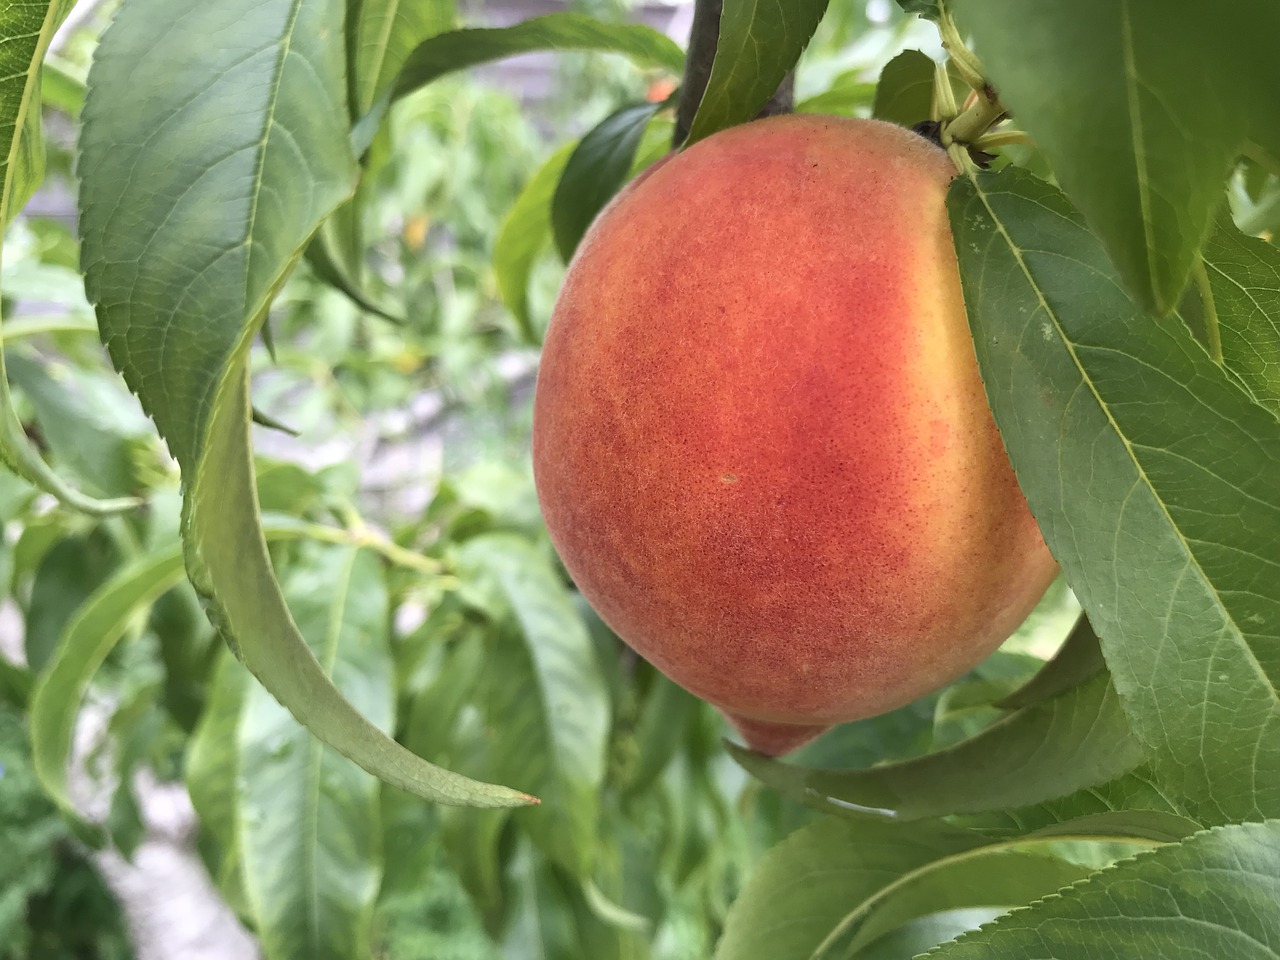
(760,438)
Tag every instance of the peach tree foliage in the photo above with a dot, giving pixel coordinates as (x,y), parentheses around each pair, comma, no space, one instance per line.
(1113,235)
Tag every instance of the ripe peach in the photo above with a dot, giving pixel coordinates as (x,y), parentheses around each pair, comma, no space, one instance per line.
(761,444)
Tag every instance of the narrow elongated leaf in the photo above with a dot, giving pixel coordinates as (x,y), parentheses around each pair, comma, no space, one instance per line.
(1244,281)
(202,179)
(556,31)
(525,232)
(596,169)
(308,826)
(561,694)
(1153,478)
(460,49)
(760,41)
(848,92)
(85,643)
(25,32)
(921,935)
(90,423)
(1213,895)
(212,764)
(807,884)
(384,33)
(1048,749)
(1079,659)
(1131,805)
(1141,107)
(984,878)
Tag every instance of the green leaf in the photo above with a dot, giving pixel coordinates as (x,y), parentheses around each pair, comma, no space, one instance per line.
(1133,805)
(383,34)
(460,49)
(595,171)
(1244,283)
(1079,658)
(1213,895)
(921,935)
(1048,749)
(212,762)
(85,643)
(15,685)
(847,92)
(525,232)
(760,42)
(226,168)
(981,878)
(62,85)
(307,819)
(328,264)
(554,694)
(68,573)
(1152,476)
(803,887)
(26,29)
(929,9)
(556,31)
(904,94)
(1141,108)
(91,424)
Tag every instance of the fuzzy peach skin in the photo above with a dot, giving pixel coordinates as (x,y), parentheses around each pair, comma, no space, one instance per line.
(760,439)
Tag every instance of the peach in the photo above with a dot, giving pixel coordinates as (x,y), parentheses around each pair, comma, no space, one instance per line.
(760,439)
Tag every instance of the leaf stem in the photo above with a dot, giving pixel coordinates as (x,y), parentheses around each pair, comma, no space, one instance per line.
(973,123)
(1212,331)
(967,65)
(358,534)
(944,105)
(1003,138)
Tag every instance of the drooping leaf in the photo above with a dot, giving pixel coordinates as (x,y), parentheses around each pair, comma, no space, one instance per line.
(212,762)
(226,166)
(922,935)
(90,423)
(26,30)
(803,887)
(1045,750)
(595,171)
(1244,281)
(1152,476)
(327,262)
(525,232)
(1131,805)
(557,31)
(985,878)
(85,643)
(760,42)
(383,34)
(564,722)
(1141,107)
(68,574)
(847,92)
(1079,658)
(904,94)
(459,49)
(1213,895)
(307,819)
